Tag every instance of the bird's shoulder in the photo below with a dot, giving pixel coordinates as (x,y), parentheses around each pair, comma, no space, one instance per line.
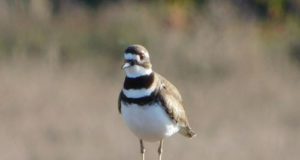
(168,88)
(171,100)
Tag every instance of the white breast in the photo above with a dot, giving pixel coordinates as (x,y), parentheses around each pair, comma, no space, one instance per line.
(149,122)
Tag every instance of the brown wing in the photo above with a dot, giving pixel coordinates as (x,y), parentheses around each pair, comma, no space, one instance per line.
(171,99)
(171,88)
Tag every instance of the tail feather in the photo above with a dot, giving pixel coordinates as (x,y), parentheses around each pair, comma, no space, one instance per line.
(187,132)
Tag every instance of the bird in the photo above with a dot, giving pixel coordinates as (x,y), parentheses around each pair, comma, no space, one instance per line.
(150,105)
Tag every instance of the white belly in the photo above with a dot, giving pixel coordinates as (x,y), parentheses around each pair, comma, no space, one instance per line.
(150,123)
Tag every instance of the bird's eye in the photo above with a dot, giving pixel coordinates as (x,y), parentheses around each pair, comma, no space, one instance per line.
(142,57)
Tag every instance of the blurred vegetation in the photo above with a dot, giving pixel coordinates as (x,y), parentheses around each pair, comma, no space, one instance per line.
(76,29)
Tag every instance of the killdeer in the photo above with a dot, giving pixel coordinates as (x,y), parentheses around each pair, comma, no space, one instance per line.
(150,105)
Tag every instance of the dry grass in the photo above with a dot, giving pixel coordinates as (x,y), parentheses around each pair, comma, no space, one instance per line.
(241,96)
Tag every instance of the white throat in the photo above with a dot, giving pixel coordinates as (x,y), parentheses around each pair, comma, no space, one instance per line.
(137,71)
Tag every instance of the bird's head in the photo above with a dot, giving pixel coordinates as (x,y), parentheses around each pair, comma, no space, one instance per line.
(136,61)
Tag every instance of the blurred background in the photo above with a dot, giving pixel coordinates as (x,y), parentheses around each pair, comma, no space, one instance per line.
(236,63)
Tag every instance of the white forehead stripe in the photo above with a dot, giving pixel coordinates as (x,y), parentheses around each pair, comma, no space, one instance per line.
(130,56)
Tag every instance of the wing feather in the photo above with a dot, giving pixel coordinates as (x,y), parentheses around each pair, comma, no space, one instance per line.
(171,99)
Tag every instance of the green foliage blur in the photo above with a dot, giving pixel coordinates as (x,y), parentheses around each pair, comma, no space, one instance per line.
(94,29)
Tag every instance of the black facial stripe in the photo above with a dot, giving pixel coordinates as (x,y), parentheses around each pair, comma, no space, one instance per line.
(131,62)
(146,64)
(140,101)
(139,82)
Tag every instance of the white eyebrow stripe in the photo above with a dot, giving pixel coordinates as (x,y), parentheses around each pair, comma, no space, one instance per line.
(130,56)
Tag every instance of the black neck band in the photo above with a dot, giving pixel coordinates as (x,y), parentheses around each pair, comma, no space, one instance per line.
(139,82)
